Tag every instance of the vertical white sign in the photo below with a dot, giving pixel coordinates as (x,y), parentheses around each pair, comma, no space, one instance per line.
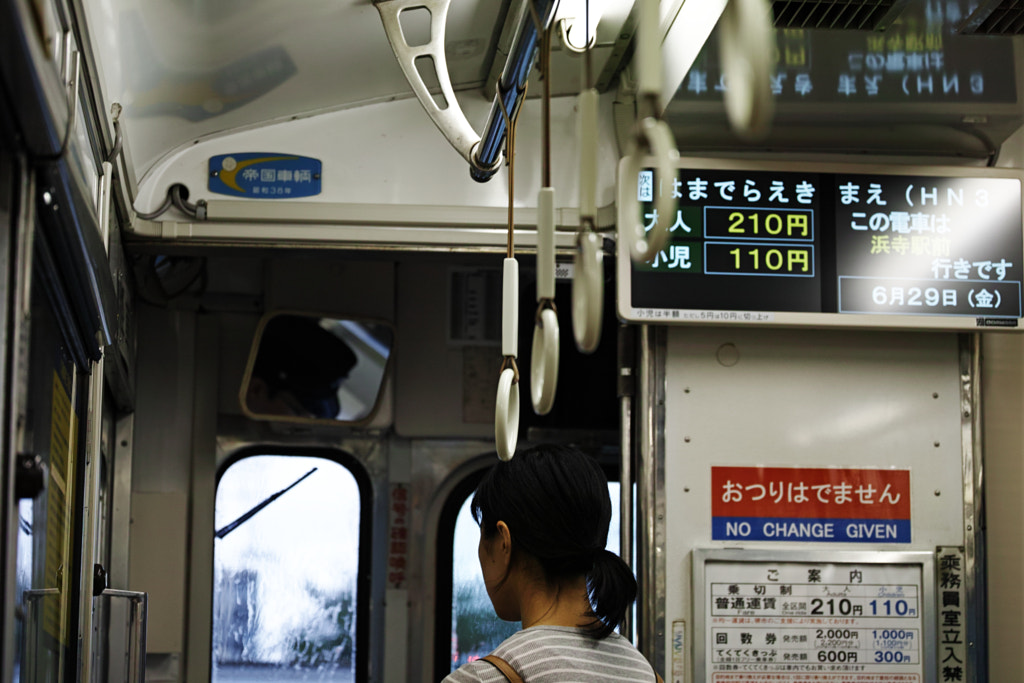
(952,612)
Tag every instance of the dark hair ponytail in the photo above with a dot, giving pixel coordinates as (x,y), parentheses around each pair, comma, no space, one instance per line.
(611,587)
(555,502)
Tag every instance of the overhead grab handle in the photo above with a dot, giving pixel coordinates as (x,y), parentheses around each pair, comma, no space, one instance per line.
(588,268)
(506,409)
(746,50)
(506,405)
(448,116)
(588,291)
(482,152)
(651,138)
(544,352)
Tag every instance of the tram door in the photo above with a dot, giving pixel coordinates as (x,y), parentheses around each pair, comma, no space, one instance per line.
(49,525)
(49,366)
(48,407)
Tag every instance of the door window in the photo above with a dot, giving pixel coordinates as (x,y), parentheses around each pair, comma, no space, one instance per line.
(286,567)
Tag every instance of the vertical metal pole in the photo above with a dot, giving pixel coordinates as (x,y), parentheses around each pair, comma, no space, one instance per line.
(120,529)
(626,391)
(137,660)
(626,499)
(91,495)
(29,671)
(974,509)
(15,391)
(650,546)
(93,455)
(135,650)
(32,600)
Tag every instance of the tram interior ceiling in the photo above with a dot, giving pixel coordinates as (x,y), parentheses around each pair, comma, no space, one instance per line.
(270,266)
(891,78)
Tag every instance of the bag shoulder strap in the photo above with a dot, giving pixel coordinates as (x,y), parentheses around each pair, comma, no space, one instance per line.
(504,667)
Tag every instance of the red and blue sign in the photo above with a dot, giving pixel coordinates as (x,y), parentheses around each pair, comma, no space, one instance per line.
(263,175)
(798,504)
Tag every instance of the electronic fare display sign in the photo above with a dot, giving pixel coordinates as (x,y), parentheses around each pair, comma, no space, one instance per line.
(919,247)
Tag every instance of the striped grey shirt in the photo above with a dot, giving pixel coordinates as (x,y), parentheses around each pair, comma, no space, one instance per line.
(561,654)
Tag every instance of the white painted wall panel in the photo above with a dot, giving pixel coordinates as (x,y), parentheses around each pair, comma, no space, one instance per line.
(430,387)
(811,399)
(157,565)
(163,422)
(391,153)
(1003,420)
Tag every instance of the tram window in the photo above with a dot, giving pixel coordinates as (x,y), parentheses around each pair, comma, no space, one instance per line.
(287,598)
(23,581)
(475,629)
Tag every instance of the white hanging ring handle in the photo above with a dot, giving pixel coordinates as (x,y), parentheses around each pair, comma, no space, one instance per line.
(746,51)
(653,137)
(588,291)
(506,415)
(544,361)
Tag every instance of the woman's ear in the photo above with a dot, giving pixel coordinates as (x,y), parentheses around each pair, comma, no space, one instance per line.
(504,541)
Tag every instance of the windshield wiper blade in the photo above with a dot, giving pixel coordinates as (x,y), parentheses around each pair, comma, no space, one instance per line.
(224,531)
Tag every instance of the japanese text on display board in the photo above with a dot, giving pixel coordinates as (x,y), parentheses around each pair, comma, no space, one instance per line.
(758,241)
(922,58)
(928,245)
(795,622)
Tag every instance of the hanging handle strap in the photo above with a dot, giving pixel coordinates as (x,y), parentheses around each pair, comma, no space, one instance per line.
(746,49)
(504,667)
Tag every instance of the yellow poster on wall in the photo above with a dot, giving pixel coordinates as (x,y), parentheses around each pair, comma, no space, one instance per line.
(60,499)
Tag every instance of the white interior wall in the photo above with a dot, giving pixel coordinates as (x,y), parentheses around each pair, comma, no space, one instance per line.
(160,478)
(1002,385)
(392,154)
(806,399)
(442,389)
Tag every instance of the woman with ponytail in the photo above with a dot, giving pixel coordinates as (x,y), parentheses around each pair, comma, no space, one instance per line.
(544,519)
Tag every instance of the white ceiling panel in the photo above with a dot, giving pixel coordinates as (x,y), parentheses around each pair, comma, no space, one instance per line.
(187,69)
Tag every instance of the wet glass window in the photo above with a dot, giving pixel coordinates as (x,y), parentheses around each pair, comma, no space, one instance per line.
(286,557)
(476,629)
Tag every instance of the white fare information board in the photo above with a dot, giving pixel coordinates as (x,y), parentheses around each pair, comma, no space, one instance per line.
(814,621)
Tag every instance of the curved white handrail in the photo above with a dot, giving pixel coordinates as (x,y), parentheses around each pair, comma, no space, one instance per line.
(653,138)
(746,51)
(544,353)
(588,291)
(506,408)
(506,415)
(544,362)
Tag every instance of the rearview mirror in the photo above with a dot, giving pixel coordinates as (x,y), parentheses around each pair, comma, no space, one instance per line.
(306,367)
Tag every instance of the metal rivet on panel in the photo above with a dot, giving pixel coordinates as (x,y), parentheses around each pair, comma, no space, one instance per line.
(728,355)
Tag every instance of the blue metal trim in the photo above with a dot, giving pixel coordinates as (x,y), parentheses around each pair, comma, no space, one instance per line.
(510,90)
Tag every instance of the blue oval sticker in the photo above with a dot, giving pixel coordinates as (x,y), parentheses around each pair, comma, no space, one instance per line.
(264,175)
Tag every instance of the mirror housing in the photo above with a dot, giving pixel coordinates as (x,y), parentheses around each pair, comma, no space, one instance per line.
(316,368)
